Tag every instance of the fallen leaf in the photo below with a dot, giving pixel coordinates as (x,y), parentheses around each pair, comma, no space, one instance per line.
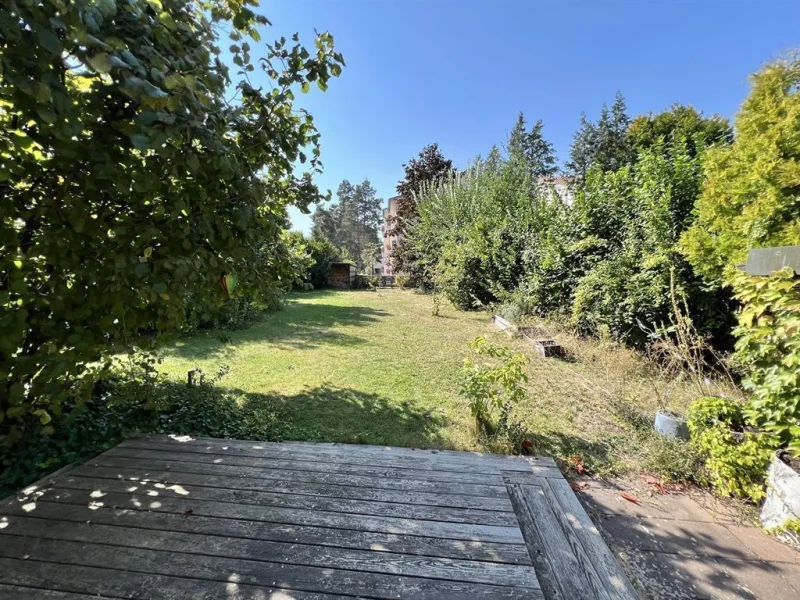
(579,486)
(651,480)
(188,512)
(577,462)
(629,498)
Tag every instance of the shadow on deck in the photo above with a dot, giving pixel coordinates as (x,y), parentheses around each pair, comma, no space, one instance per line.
(176,517)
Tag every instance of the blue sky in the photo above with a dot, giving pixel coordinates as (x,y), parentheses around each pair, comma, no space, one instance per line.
(457,72)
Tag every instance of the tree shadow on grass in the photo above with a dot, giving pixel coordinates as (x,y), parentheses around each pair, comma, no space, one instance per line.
(333,414)
(324,413)
(299,326)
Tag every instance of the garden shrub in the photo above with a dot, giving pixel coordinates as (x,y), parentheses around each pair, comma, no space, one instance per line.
(749,197)
(402,280)
(493,389)
(136,402)
(768,349)
(235,313)
(736,455)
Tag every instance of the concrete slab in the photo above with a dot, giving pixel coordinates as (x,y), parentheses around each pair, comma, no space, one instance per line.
(661,576)
(764,546)
(756,579)
(691,545)
(688,538)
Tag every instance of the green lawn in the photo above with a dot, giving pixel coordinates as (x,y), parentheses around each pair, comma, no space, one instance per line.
(378,368)
(359,366)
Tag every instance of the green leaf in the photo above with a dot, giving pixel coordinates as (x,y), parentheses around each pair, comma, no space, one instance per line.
(48,39)
(160,287)
(174,81)
(100,62)
(44,416)
(192,161)
(140,141)
(153,91)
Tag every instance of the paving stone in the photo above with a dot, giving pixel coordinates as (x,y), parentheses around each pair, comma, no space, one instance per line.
(756,579)
(683,507)
(604,501)
(791,574)
(764,546)
(661,576)
(690,538)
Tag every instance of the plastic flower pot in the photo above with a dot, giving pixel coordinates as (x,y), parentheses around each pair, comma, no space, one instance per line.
(671,426)
(780,514)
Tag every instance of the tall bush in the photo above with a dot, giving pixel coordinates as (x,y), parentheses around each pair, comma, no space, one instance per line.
(129,180)
(750,196)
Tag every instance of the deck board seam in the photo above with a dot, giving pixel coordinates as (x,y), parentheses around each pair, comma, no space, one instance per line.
(496,482)
(28,586)
(499,487)
(257,560)
(498,461)
(274,585)
(273,562)
(287,493)
(291,543)
(437,537)
(456,469)
(189,500)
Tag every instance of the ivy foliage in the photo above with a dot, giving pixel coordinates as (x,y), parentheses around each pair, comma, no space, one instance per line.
(750,196)
(737,457)
(768,348)
(135,169)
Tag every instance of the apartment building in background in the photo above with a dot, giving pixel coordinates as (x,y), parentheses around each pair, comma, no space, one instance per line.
(389,241)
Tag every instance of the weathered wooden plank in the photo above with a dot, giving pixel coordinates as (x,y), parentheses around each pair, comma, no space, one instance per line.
(275,552)
(584,537)
(278,532)
(18,592)
(500,461)
(544,570)
(516,477)
(346,454)
(108,583)
(206,465)
(162,473)
(256,573)
(396,525)
(314,465)
(150,488)
(572,573)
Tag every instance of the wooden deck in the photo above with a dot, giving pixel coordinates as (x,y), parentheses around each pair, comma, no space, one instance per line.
(181,518)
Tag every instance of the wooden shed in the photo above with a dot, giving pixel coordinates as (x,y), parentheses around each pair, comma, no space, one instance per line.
(343,275)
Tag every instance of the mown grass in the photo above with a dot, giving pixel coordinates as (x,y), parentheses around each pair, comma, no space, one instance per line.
(379,368)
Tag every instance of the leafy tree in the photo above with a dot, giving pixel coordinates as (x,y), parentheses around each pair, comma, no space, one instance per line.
(751,196)
(470,235)
(648,131)
(429,167)
(530,147)
(604,144)
(129,180)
